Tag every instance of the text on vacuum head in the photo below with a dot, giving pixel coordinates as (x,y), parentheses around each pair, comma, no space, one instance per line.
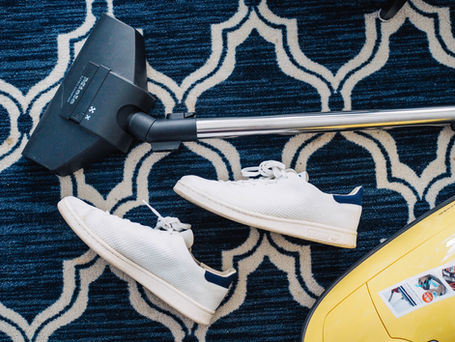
(80,85)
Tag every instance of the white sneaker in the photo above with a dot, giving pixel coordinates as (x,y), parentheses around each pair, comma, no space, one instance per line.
(281,201)
(157,258)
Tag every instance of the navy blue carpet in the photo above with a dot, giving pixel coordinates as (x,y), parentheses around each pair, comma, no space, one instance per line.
(218,59)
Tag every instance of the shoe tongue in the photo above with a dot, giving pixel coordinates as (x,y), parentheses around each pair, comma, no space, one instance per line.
(188,236)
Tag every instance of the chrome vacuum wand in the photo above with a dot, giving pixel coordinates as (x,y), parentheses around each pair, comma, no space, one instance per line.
(317,122)
(167,134)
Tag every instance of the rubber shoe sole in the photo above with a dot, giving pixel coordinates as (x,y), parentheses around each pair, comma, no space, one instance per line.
(306,230)
(160,288)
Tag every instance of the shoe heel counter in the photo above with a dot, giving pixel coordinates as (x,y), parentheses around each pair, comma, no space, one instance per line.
(220,280)
(218,286)
(349,209)
(355,197)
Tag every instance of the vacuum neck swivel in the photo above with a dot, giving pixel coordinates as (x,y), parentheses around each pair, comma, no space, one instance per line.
(163,134)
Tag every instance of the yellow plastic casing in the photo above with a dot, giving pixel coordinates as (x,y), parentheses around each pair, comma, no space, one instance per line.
(352,309)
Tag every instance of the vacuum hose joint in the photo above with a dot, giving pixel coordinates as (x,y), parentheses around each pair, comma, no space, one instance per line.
(163,134)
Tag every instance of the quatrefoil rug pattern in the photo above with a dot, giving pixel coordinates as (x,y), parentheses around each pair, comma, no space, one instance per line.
(218,59)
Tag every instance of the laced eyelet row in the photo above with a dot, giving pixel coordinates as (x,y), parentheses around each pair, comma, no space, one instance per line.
(269,171)
(168,224)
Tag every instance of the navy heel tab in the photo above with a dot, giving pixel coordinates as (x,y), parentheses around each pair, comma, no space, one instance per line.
(355,197)
(220,280)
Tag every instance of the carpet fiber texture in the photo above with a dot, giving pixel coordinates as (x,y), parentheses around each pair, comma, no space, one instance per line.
(218,58)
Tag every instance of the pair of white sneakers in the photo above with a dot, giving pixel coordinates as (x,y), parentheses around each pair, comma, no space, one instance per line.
(280,200)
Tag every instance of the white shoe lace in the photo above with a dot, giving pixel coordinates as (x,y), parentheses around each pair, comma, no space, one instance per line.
(168,223)
(269,169)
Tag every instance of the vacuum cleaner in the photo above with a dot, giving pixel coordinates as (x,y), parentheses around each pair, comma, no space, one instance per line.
(402,291)
(102,105)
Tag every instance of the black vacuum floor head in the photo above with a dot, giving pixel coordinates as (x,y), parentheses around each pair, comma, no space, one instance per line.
(87,118)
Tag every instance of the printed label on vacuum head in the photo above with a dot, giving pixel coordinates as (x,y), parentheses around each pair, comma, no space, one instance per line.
(80,85)
(420,290)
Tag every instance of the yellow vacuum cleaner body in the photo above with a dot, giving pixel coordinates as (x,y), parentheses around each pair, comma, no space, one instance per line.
(403,291)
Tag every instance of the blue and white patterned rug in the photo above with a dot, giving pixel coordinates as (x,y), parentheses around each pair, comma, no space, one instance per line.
(218,58)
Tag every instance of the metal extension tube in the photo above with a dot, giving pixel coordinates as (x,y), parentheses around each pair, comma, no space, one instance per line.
(316,122)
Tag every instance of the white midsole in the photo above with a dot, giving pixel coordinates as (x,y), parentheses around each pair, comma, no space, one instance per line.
(316,232)
(165,291)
